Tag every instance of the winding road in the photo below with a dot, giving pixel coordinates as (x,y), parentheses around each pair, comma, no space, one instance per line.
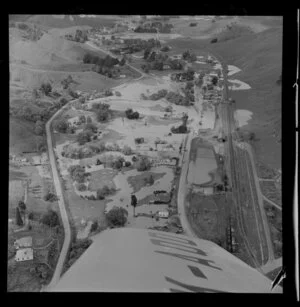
(59,191)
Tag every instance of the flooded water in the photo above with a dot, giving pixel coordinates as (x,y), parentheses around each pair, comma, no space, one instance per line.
(199,170)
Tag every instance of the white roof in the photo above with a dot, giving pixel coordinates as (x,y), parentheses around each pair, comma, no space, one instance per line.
(24,254)
(140,260)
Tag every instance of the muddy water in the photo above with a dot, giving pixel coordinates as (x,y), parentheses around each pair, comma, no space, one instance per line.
(199,170)
(123,197)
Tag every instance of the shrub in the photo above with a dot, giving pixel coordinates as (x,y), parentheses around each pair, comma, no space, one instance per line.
(81,99)
(117,217)
(118,93)
(214,40)
(127,164)
(143,164)
(82,119)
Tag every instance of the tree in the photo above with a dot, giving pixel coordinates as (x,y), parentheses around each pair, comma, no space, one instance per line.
(146,53)
(50,218)
(130,114)
(82,119)
(133,203)
(19,220)
(46,88)
(214,80)
(117,217)
(61,125)
(84,137)
(122,62)
(39,128)
(89,120)
(143,164)
(92,127)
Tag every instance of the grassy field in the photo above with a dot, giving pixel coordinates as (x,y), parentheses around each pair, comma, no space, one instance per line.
(101,178)
(208,216)
(274,217)
(270,190)
(138,182)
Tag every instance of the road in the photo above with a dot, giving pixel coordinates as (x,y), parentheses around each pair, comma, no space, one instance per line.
(59,193)
(183,187)
(61,202)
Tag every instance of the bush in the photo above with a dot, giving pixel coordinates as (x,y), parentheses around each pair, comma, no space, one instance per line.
(214,40)
(143,164)
(127,164)
(117,217)
(118,93)
(81,100)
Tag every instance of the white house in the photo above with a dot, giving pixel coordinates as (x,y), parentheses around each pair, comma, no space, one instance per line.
(24,254)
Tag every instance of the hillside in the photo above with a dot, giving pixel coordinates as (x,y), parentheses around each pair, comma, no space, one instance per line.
(259,56)
(65,21)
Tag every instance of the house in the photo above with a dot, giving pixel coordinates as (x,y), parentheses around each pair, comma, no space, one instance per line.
(23,242)
(24,254)
(166,66)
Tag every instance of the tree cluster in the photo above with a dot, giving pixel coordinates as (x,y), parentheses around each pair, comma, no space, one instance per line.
(50,218)
(189,56)
(130,114)
(143,164)
(117,217)
(46,88)
(102,111)
(77,173)
(104,191)
(80,36)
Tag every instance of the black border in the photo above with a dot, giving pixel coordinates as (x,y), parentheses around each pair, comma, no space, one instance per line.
(288,126)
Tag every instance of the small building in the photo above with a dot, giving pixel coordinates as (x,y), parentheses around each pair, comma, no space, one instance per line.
(23,242)
(122,76)
(24,254)
(166,66)
(163,214)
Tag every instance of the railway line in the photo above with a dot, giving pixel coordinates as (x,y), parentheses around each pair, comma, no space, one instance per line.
(244,189)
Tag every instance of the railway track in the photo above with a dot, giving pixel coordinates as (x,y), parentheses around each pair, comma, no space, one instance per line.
(233,159)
